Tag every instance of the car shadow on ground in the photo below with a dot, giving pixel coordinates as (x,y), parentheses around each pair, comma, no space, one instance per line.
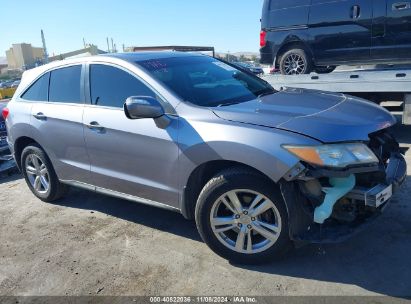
(376,260)
(164,220)
(10,177)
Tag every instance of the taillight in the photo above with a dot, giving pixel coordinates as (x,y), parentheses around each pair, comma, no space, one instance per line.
(263,40)
(5,113)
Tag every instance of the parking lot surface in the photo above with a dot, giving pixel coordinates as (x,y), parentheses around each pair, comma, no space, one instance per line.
(89,244)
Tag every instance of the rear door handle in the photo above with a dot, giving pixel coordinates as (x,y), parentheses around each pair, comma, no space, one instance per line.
(94,125)
(355,12)
(400,6)
(40,116)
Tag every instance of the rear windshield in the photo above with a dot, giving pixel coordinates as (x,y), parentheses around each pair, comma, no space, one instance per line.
(206,81)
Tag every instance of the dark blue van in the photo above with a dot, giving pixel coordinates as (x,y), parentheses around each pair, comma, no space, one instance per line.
(300,36)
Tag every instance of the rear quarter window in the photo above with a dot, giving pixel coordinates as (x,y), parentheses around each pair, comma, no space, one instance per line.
(38,91)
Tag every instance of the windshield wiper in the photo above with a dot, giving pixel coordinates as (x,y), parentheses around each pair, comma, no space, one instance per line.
(265,93)
(227,104)
(270,92)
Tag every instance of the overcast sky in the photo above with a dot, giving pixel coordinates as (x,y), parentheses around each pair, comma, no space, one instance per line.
(229,25)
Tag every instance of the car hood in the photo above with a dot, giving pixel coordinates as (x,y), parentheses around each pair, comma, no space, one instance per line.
(327,117)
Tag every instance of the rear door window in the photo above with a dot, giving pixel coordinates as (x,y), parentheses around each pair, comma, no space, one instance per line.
(38,90)
(65,85)
(111,86)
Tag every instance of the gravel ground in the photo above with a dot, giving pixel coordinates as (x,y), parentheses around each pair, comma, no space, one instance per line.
(89,244)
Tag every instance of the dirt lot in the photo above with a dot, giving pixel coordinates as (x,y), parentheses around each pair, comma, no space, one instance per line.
(89,244)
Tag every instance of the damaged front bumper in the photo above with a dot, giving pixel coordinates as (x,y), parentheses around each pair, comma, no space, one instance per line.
(316,216)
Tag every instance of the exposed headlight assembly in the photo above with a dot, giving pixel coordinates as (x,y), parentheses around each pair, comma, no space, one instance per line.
(334,155)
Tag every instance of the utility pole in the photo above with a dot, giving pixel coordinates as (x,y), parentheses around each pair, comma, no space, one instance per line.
(46,55)
(108,46)
(112,45)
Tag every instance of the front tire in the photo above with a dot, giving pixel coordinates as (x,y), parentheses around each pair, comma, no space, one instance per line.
(242,217)
(40,175)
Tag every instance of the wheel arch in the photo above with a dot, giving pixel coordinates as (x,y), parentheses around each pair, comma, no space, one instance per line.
(202,174)
(19,145)
(289,44)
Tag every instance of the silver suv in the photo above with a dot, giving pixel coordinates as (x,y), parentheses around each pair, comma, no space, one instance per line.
(258,170)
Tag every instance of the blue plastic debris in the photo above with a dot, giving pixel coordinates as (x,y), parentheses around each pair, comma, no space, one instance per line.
(340,187)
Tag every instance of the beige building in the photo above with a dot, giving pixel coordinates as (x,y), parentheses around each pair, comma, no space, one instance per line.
(23,55)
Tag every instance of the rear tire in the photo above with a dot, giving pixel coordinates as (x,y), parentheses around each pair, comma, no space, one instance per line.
(245,236)
(40,175)
(295,62)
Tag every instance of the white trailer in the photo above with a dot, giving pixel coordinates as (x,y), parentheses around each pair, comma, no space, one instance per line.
(377,85)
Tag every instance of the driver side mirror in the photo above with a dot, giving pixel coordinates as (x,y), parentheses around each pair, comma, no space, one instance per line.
(139,107)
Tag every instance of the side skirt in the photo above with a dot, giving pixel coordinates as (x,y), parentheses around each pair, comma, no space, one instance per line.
(120,195)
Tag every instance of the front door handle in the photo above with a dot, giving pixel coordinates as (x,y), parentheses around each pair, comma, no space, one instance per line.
(355,12)
(94,125)
(40,116)
(401,6)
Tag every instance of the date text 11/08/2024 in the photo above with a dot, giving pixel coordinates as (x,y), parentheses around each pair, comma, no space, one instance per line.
(199,299)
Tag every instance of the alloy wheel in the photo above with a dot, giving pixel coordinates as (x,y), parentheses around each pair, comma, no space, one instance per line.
(245,221)
(37,173)
(294,64)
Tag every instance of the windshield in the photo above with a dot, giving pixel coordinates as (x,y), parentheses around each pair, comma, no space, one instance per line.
(206,81)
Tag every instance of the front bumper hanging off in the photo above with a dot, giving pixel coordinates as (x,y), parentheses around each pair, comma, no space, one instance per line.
(370,202)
